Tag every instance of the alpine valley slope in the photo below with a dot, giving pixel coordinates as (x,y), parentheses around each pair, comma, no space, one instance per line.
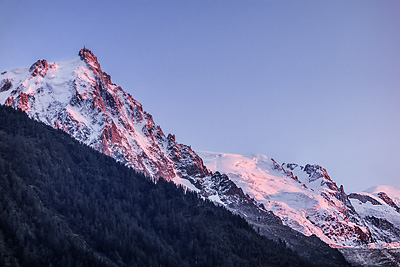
(78,97)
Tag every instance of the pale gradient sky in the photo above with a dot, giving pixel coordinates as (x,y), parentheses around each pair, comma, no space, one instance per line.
(299,81)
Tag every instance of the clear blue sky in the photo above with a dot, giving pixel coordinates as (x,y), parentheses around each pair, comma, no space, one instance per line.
(299,81)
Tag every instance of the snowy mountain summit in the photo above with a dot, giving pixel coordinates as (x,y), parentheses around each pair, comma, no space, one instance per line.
(79,98)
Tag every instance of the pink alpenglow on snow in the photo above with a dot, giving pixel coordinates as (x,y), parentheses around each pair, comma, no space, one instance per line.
(307,200)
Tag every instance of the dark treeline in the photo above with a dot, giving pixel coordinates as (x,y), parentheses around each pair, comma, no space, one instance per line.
(64,204)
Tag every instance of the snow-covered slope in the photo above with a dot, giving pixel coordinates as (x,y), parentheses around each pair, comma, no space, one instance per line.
(379,207)
(306,199)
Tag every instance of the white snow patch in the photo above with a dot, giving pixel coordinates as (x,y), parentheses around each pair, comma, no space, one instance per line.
(216,198)
(76,115)
(185,183)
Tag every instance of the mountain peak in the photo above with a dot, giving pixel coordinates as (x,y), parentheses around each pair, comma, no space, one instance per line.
(86,54)
(40,67)
(90,59)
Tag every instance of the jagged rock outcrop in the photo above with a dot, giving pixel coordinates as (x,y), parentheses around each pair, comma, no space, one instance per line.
(364,198)
(388,200)
(40,67)
(5,85)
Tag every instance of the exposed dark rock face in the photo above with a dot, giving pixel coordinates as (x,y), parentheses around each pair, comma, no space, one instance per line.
(364,198)
(87,56)
(384,224)
(364,236)
(388,200)
(5,85)
(225,186)
(40,67)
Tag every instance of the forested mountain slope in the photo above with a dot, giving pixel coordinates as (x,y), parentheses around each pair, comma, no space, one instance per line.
(64,204)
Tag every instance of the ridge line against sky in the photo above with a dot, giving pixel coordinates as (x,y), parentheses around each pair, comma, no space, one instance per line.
(305,82)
